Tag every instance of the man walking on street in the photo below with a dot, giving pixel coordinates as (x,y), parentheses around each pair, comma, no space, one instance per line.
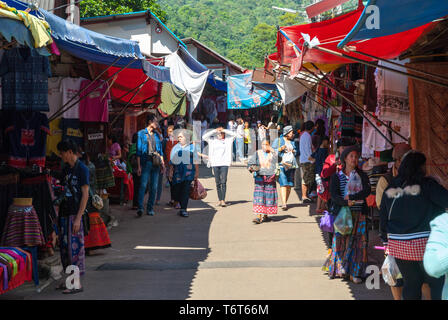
(306,166)
(149,159)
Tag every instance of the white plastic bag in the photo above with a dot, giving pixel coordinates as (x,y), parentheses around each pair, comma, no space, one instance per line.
(289,161)
(390,271)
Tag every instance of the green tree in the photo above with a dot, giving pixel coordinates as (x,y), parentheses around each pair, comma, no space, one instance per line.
(94,8)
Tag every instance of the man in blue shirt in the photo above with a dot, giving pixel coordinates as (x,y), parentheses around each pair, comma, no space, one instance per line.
(149,146)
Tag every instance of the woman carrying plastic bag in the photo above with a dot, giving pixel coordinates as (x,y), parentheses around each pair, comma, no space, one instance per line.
(349,188)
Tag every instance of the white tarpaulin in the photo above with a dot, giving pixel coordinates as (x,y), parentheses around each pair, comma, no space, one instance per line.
(186,79)
(291,90)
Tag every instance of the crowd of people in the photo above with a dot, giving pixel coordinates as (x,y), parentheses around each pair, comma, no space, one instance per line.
(409,202)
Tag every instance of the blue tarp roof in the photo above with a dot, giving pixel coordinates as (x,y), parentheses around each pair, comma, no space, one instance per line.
(87,44)
(396,16)
(96,47)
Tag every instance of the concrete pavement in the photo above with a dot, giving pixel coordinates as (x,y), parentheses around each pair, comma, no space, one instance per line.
(216,253)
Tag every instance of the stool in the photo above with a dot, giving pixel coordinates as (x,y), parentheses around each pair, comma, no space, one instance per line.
(33,251)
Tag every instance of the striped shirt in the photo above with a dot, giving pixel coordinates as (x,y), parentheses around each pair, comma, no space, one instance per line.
(343,179)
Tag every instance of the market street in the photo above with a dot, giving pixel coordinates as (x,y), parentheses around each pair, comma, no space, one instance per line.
(214,254)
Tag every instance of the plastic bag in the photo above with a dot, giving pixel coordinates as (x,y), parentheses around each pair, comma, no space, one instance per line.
(289,161)
(343,222)
(326,222)
(390,271)
(197,191)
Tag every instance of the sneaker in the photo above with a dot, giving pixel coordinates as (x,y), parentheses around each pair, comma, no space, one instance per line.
(150,213)
(307,200)
(139,212)
(183,213)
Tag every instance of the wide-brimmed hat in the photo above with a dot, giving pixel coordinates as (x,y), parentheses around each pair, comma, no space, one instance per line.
(287,130)
(348,150)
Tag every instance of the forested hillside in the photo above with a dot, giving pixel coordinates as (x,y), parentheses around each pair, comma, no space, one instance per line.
(242,30)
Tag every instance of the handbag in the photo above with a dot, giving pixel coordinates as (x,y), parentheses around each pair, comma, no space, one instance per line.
(343,223)
(156,157)
(254,167)
(197,191)
(326,222)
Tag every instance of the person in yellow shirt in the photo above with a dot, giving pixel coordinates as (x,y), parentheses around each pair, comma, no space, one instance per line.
(247,140)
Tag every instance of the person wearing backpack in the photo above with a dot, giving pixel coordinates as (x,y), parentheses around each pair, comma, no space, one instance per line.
(149,159)
(398,152)
(410,202)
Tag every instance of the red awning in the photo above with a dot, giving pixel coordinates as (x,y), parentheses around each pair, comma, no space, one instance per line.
(331,32)
(128,79)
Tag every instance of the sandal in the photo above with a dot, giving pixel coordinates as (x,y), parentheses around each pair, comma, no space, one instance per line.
(73,291)
(267,219)
(257,221)
(285,207)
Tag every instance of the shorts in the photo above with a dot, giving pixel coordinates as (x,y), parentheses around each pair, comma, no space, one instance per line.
(308,174)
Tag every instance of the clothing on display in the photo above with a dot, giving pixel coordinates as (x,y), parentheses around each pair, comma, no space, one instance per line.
(22,227)
(71,129)
(70,87)
(15,268)
(173,101)
(372,140)
(24,76)
(54,137)
(26,135)
(98,237)
(54,95)
(392,91)
(94,107)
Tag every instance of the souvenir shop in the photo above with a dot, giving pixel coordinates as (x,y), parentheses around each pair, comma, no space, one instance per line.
(368,105)
(46,95)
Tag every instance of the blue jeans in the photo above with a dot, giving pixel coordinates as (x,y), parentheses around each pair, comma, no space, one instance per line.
(240,148)
(149,175)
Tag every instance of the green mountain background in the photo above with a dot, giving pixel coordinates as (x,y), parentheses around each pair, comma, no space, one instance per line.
(243,30)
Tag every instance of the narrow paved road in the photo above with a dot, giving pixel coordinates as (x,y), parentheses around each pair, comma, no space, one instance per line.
(216,253)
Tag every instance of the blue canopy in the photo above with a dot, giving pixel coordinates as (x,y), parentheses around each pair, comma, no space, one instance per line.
(87,44)
(243,94)
(396,16)
(10,28)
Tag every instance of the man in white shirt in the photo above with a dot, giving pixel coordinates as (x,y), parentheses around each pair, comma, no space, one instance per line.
(220,143)
(240,139)
(231,126)
(306,166)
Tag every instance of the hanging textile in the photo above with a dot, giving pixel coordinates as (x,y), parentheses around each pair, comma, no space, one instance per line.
(242,94)
(290,90)
(40,29)
(94,107)
(24,76)
(392,91)
(26,136)
(15,30)
(186,79)
(174,101)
